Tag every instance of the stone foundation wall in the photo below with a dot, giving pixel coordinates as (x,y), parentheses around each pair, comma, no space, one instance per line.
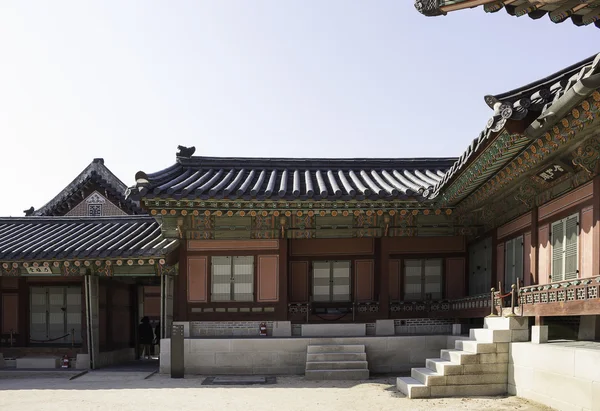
(554,374)
(228,328)
(287,356)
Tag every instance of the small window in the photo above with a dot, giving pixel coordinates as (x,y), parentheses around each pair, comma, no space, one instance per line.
(423,280)
(331,281)
(232,278)
(513,262)
(565,249)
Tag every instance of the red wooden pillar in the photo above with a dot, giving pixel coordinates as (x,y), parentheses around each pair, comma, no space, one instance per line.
(281,313)
(382,268)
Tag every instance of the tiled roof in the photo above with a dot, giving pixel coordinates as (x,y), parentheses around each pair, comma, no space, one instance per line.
(292,178)
(535,102)
(47,238)
(580,12)
(94,175)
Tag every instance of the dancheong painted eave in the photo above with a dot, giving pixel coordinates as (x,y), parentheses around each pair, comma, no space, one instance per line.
(580,12)
(292,178)
(64,238)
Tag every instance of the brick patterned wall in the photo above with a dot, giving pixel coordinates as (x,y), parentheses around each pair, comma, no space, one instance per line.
(423,326)
(228,328)
(108,208)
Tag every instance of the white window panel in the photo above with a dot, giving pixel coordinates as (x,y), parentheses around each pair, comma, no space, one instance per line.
(221,278)
(243,278)
(321,280)
(341,281)
(558,251)
(571,247)
(413,280)
(433,279)
(331,281)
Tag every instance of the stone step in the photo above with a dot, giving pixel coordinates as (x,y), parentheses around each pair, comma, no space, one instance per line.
(337,356)
(443,367)
(336,365)
(491,368)
(506,323)
(337,374)
(476,379)
(475,347)
(459,357)
(427,377)
(466,390)
(412,388)
(315,349)
(488,335)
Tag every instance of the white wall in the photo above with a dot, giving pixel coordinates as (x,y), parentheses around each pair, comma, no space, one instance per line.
(288,355)
(565,376)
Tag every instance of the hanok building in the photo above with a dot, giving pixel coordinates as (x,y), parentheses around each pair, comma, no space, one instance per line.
(355,247)
(581,13)
(88,257)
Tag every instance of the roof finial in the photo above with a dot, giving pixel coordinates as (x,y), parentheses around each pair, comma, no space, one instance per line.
(185,152)
(29,212)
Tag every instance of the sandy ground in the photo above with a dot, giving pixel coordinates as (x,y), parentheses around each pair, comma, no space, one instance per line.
(129,391)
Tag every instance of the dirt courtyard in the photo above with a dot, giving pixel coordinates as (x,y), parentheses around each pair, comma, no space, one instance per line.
(131,392)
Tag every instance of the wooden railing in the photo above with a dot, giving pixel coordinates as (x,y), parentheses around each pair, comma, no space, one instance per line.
(583,289)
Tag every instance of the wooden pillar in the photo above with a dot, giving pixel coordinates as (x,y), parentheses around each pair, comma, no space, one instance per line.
(535,246)
(181,286)
(496,276)
(24,313)
(596,228)
(282,312)
(382,270)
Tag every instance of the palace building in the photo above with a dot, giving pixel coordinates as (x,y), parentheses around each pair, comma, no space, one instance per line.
(314,248)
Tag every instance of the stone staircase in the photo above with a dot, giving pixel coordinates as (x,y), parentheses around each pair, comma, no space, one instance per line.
(336,362)
(478,366)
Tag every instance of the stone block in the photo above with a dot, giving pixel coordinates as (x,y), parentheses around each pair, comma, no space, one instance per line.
(501,358)
(231,359)
(487,335)
(83,361)
(519,335)
(203,345)
(200,359)
(456,329)
(384,327)
(468,390)
(265,359)
(521,377)
(444,367)
(412,388)
(428,377)
(475,379)
(475,346)
(38,362)
(282,329)
(589,328)
(506,323)
(587,364)
(490,368)
(502,347)
(539,334)
(561,387)
(334,330)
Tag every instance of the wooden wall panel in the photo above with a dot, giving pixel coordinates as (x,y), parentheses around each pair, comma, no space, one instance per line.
(500,266)
(571,199)
(338,246)
(9,283)
(455,277)
(426,245)
(298,281)
(395,268)
(364,281)
(242,245)
(544,254)
(528,260)
(197,277)
(586,242)
(10,313)
(268,278)
(513,226)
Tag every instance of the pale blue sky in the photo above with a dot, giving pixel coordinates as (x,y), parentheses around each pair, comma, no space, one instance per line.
(130,80)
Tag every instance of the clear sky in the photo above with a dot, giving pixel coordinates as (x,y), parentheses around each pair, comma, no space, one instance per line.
(130,80)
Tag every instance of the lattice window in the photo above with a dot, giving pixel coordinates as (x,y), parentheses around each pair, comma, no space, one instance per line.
(95,210)
(561,296)
(232,278)
(544,297)
(565,239)
(331,281)
(552,296)
(570,294)
(593,291)
(536,298)
(581,293)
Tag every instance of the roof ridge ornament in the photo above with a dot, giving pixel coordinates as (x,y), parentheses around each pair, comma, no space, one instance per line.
(429,7)
(185,152)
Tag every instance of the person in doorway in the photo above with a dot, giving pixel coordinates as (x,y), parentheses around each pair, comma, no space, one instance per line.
(157,336)
(146,335)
